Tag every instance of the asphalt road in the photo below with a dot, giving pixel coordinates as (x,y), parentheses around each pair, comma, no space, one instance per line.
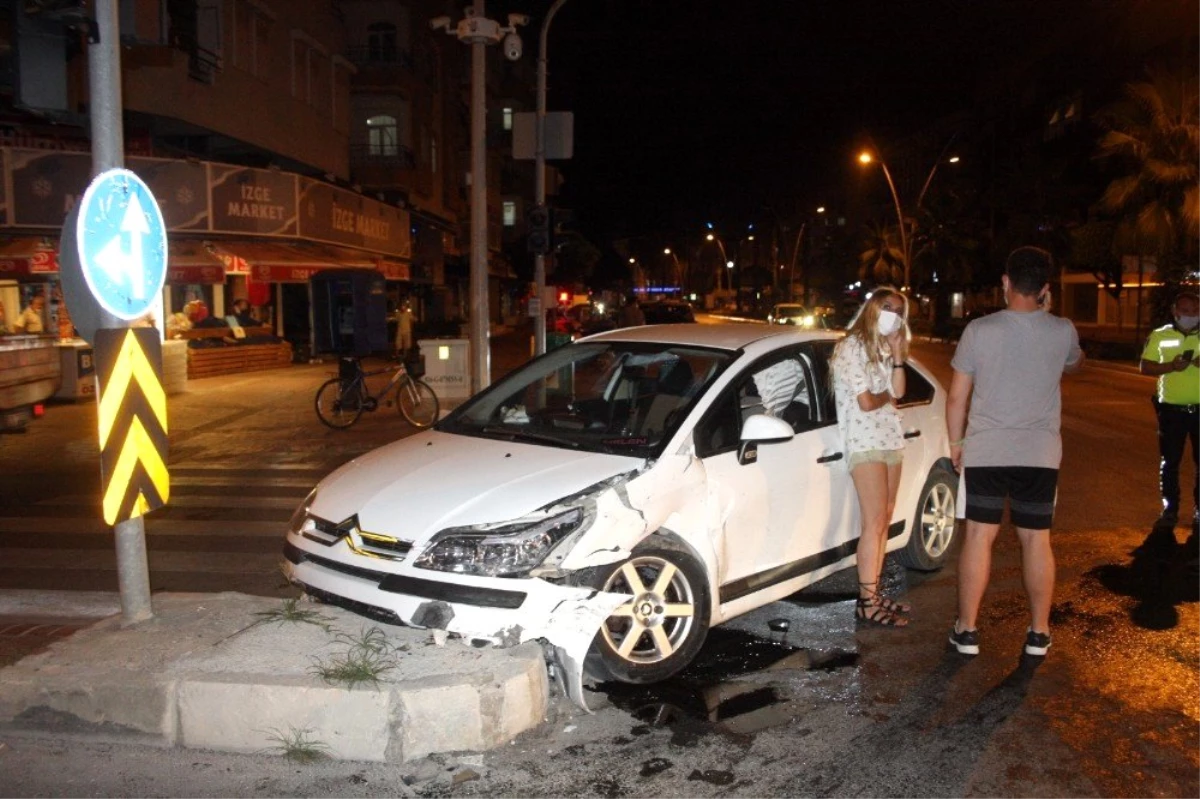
(827,710)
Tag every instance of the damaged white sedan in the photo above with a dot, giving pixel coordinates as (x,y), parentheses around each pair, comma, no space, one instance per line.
(618,496)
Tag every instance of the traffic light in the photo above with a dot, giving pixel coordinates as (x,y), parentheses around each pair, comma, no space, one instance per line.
(539,230)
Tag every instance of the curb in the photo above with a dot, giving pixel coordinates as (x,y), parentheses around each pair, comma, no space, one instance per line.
(208,672)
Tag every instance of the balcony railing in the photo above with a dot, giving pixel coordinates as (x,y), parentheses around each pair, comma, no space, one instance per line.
(395,155)
(374,55)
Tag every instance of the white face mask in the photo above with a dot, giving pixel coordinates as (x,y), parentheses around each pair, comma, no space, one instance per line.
(889,322)
(1188,322)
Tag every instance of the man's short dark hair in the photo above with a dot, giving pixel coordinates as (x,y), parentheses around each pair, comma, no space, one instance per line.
(1029,269)
(240,303)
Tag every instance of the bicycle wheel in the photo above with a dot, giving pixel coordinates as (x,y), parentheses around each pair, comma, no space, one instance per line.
(339,404)
(417,403)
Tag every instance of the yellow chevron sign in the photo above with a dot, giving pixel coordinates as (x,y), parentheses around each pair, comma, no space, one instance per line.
(133,422)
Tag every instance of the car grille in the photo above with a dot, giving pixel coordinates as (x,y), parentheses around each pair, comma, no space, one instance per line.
(328,533)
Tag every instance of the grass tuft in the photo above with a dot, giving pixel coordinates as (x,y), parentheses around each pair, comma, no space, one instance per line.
(292,612)
(368,656)
(298,745)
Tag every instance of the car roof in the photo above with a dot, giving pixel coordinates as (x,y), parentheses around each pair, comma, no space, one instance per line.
(729,336)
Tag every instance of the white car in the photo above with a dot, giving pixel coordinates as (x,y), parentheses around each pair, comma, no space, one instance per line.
(618,496)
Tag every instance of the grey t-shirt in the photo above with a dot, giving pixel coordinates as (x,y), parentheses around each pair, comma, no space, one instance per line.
(1016,361)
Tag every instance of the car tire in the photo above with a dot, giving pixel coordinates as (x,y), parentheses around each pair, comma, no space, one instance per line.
(934,524)
(670,622)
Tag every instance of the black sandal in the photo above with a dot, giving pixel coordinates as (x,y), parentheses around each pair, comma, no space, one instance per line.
(894,605)
(868,610)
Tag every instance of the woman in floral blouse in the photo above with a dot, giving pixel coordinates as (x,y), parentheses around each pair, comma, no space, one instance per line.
(868,376)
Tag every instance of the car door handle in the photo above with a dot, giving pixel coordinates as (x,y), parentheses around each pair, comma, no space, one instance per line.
(913,434)
(837,456)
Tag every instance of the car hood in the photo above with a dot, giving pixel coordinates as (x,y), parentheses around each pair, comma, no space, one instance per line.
(415,487)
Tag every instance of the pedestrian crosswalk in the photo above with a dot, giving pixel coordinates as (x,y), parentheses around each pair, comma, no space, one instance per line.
(222,530)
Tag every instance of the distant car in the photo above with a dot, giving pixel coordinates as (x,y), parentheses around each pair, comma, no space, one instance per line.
(666,312)
(618,496)
(787,313)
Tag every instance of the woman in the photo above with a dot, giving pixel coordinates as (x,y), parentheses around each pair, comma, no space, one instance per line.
(868,375)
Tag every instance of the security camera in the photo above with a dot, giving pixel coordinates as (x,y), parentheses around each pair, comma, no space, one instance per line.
(512,47)
(440,22)
(517,19)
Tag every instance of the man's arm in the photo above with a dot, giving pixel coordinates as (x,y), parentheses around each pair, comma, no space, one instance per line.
(1072,368)
(956,414)
(1155,369)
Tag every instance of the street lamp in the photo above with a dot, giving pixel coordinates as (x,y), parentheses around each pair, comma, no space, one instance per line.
(678,267)
(865,158)
(479,31)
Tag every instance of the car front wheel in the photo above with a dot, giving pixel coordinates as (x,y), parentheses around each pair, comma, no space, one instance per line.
(663,625)
(934,524)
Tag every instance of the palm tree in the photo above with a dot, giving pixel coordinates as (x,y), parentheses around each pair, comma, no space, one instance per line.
(1153,135)
(882,259)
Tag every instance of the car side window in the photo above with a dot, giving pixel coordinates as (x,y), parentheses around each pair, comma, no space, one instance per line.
(917,390)
(779,386)
(821,352)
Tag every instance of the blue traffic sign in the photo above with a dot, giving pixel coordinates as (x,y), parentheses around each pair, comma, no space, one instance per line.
(122,243)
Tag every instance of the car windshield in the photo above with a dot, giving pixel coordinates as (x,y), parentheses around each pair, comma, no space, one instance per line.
(621,398)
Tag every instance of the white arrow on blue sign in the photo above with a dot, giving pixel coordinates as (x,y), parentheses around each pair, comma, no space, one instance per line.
(122,243)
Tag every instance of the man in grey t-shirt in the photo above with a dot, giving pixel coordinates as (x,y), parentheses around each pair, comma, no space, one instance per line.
(1007,369)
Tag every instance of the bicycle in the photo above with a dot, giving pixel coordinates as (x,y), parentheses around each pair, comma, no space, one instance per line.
(341,400)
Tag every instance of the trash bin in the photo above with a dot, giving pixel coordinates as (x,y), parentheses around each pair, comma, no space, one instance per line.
(447,366)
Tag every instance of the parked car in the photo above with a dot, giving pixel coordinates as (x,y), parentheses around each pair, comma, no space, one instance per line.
(787,313)
(618,496)
(665,312)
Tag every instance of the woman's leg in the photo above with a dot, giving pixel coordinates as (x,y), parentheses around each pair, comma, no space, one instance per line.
(893,486)
(871,484)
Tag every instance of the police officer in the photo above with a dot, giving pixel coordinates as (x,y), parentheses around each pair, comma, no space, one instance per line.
(1171,356)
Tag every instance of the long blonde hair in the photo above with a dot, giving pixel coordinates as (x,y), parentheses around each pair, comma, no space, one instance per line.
(865,326)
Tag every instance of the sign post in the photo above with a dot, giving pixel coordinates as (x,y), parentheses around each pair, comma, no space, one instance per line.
(113,264)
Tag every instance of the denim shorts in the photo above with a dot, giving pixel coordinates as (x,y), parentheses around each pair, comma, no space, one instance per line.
(889,456)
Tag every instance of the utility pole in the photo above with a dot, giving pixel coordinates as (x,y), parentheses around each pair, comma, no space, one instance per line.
(479,31)
(108,152)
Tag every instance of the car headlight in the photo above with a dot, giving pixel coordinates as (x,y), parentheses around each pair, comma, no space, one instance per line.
(808,321)
(507,551)
(300,515)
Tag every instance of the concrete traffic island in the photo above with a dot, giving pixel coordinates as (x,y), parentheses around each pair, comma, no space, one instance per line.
(238,673)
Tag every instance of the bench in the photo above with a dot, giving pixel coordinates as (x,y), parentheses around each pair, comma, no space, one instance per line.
(233,358)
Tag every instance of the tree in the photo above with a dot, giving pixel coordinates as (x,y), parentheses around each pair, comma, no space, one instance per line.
(1092,251)
(882,259)
(1153,140)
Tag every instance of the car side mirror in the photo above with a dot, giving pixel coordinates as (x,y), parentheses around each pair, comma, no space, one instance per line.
(763,428)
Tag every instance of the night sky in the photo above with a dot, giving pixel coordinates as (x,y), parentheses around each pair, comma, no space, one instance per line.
(687,110)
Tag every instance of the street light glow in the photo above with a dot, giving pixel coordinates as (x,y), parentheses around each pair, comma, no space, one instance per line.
(864,157)
(709,237)
(632,261)
(729,264)
(954,159)
(820,209)
(666,251)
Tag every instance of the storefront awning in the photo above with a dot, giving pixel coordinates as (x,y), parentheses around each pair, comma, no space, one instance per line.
(193,261)
(276,263)
(390,268)
(28,255)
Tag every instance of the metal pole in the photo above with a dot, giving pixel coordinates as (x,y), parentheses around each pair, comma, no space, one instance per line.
(539,178)
(900,219)
(108,152)
(481,370)
(792,273)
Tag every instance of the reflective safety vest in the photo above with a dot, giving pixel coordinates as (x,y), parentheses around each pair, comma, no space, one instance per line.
(1175,388)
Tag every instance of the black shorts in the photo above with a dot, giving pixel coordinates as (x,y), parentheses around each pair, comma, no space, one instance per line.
(1031,492)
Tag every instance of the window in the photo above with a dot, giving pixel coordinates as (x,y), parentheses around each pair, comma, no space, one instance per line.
(381,136)
(508,119)
(381,42)
(917,390)
(510,213)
